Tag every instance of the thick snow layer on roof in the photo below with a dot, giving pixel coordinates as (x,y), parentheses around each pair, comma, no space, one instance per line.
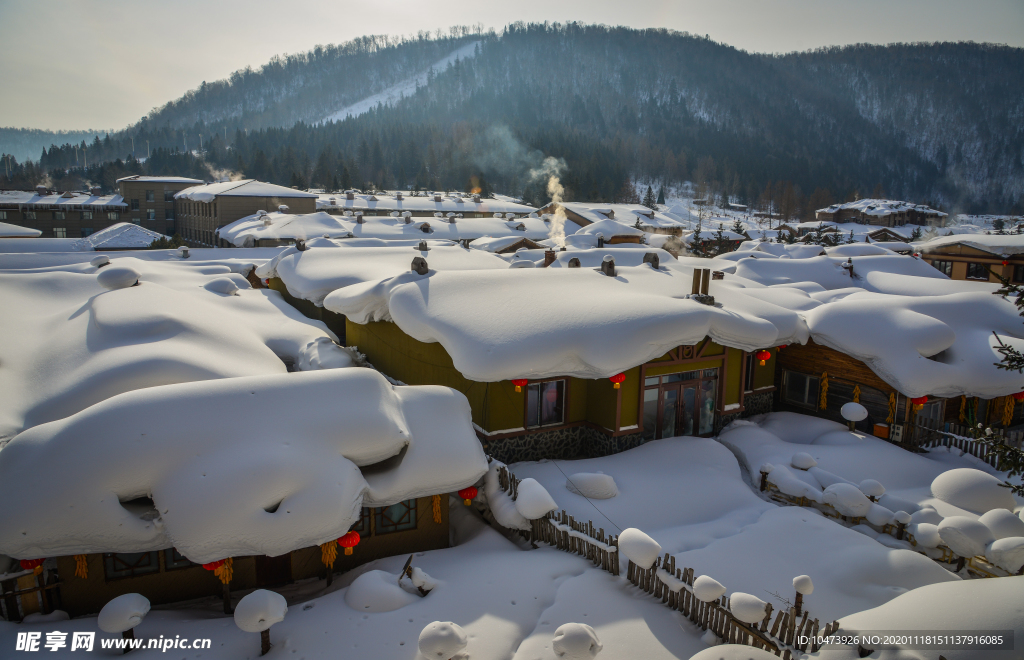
(880,207)
(536,323)
(70,343)
(285,226)
(999,244)
(160,179)
(258,465)
(123,235)
(33,245)
(317,271)
(623,214)
(494,243)
(449,203)
(244,188)
(67,199)
(14,231)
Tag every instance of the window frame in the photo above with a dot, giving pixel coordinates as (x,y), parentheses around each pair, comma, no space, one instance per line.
(390,526)
(538,384)
(1017,275)
(172,563)
(113,215)
(60,215)
(60,232)
(3,215)
(976,265)
(110,572)
(150,214)
(944,267)
(150,196)
(135,205)
(86,215)
(813,403)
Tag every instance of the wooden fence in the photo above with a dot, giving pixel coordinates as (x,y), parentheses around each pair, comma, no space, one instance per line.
(793,629)
(928,433)
(16,602)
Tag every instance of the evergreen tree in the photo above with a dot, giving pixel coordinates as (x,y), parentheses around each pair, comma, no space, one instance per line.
(697,247)
(737,226)
(999,225)
(649,200)
(1011,458)
(849,239)
(720,240)
(661,190)
(916,234)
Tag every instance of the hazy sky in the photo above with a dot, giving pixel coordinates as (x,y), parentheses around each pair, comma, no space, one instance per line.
(76,64)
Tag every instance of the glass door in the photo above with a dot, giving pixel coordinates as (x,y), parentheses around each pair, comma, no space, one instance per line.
(680,404)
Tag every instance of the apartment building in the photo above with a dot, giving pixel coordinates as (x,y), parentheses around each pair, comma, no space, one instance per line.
(150,200)
(203,209)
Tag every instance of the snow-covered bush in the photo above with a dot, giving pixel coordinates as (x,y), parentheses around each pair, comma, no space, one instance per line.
(965,536)
(1003,523)
(926,514)
(973,490)
(533,500)
(259,610)
(707,589)
(595,485)
(119,277)
(901,517)
(847,499)
(576,641)
(442,640)
(803,461)
(638,547)
(1007,553)
(123,613)
(747,608)
(872,488)
(926,535)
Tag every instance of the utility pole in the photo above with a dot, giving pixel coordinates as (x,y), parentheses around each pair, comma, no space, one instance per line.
(147,149)
(133,146)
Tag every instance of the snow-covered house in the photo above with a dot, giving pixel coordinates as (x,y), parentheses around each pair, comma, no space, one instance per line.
(15,231)
(151,202)
(236,429)
(633,215)
(420,205)
(201,210)
(61,214)
(884,212)
(977,257)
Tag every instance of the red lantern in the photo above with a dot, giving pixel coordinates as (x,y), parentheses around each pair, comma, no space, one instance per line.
(349,541)
(1005,262)
(617,380)
(467,495)
(214,565)
(919,400)
(1019,396)
(763,356)
(35,565)
(520,383)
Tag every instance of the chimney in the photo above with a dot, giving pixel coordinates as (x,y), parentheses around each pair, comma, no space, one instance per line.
(300,245)
(41,191)
(437,197)
(574,263)
(359,217)
(398,195)
(653,259)
(95,191)
(408,217)
(600,240)
(349,194)
(608,265)
(422,247)
(549,258)
(476,199)
(419,266)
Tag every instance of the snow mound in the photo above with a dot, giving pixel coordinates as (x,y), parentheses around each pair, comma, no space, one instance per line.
(224,285)
(847,500)
(441,640)
(1007,553)
(872,488)
(789,484)
(973,490)
(707,589)
(39,617)
(965,536)
(259,610)
(576,641)
(533,500)
(926,535)
(123,613)
(803,461)
(926,514)
(747,608)
(378,591)
(595,485)
(502,507)
(1003,523)
(119,277)
(803,585)
(853,411)
(732,652)
(901,517)
(639,548)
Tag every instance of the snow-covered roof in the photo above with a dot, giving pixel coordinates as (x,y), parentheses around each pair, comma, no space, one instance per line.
(287,226)
(324,267)
(880,207)
(120,236)
(998,244)
(447,203)
(21,198)
(161,179)
(14,231)
(257,465)
(495,243)
(244,188)
(625,214)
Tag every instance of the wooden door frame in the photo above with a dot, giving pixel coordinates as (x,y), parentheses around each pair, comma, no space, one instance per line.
(682,355)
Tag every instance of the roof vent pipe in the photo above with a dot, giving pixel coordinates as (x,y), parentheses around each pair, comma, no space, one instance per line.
(422,247)
(300,245)
(419,265)
(608,265)
(408,217)
(549,258)
(653,259)
(574,263)
(600,240)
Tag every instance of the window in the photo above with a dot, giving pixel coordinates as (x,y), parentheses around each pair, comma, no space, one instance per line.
(30,215)
(86,231)
(113,215)
(944,267)
(174,559)
(60,232)
(1018,273)
(59,215)
(545,403)
(977,272)
(168,214)
(135,220)
(86,215)
(168,195)
(130,564)
(363,526)
(150,214)
(135,205)
(149,196)
(3,215)
(801,389)
(748,382)
(395,518)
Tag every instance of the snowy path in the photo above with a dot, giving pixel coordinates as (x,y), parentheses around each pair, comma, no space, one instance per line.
(404,88)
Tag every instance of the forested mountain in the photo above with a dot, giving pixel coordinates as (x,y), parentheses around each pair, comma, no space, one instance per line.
(938,123)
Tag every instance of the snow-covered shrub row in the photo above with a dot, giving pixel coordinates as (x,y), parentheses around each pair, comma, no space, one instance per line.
(233,466)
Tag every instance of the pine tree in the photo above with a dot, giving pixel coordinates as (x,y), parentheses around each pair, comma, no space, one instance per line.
(697,243)
(661,192)
(737,226)
(649,200)
(999,225)
(916,234)
(1011,458)
(720,240)
(850,239)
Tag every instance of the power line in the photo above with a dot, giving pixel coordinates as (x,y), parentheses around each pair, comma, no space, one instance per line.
(580,492)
